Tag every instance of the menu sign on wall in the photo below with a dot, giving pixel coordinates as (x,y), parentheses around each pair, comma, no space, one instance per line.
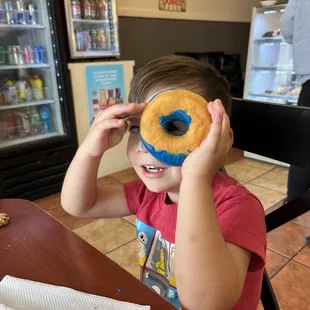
(172,5)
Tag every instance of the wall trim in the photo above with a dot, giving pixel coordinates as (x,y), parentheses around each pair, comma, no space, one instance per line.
(149,13)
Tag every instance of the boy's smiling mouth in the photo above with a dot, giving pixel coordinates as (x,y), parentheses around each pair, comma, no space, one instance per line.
(151,171)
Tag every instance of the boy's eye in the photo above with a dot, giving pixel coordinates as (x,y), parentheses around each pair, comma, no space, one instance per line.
(134,129)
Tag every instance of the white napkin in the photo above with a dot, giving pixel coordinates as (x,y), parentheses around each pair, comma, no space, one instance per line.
(20,294)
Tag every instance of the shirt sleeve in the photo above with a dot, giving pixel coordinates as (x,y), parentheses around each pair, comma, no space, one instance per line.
(287,22)
(134,194)
(242,222)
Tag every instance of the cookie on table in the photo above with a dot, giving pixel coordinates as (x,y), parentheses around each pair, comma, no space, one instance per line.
(4,219)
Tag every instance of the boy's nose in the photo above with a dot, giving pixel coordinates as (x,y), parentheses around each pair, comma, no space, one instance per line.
(141,147)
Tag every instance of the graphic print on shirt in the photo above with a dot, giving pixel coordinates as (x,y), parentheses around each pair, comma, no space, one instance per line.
(156,258)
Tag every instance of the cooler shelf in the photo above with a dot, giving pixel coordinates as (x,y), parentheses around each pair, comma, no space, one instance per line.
(21,27)
(25,66)
(17,141)
(90,21)
(26,104)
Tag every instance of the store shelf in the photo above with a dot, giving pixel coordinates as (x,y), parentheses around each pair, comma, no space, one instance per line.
(17,141)
(269,40)
(275,98)
(26,104)
(277,68)
(90,21)
(21,27)
(25,66)
(92,54)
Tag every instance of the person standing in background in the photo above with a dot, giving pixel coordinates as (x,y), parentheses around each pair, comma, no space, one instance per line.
(295,28)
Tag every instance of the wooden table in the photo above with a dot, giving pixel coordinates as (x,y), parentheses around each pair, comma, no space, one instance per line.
(35,246)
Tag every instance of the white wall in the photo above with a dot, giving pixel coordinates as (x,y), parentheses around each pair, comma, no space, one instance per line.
(212,10)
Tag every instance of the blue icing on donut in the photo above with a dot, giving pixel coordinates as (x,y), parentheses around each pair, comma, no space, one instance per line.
(178,115)
(163,156)
(170,159)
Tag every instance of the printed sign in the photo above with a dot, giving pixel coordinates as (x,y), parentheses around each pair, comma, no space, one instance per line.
(172,5)
(105,87)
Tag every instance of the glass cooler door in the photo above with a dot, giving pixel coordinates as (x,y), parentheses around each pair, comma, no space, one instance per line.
(92,28)
(29,98)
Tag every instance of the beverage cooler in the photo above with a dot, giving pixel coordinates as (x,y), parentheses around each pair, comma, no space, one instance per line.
(270,76)
(92,28)
(37,127)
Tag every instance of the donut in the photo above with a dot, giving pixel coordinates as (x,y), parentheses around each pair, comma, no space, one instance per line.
(163,110)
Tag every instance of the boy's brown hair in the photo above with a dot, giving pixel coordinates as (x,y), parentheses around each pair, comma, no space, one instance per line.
(181,72)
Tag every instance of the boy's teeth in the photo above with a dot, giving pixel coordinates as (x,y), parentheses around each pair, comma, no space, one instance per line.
(153,169)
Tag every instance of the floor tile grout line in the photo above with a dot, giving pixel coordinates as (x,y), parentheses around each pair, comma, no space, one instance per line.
(120,246)
(290,260)
(267,188)
(258,176)
(129,221)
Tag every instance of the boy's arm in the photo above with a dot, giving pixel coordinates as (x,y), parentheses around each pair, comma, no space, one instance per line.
(210,273)
(215,278)
(287,21)
(80,195)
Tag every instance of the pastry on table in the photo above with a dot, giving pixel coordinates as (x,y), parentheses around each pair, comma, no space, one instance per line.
(4,219)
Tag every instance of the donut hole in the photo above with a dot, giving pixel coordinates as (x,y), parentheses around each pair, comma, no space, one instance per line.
(176,123)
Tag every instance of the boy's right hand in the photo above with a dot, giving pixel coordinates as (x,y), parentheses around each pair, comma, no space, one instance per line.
(109,128)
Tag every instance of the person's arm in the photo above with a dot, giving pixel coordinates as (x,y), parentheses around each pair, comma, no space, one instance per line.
(210,273)
(287,21)
(80,195)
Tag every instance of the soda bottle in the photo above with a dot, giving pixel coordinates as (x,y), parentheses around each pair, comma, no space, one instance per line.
(101,40)
(87,10)
(22,124)
(88,40)
(79,40)
(103,9)
(21,90)
(94,13)
(11,131)
(118,95)
(76,9)
(46,118)
(96,107)
(103,99)
(111,100)
(93,35)
(35,122)
(37,87)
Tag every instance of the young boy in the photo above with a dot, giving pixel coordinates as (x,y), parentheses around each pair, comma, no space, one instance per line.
(201,235)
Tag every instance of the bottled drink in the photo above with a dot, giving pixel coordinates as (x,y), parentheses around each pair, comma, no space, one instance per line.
(79,40)
(111,100)
(76,9)
(93,34)
(37,87)
(96,107)
(118,96)
(20,12)
(101,40)
(10,92)
(88,40)
(94,14)
(103,9)
(103,99)
(11,130)
(35,122)
(21,90)
(22,124)
(46,119)
(87,10)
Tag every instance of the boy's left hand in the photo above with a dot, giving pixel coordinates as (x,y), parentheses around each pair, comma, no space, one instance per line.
(206,160)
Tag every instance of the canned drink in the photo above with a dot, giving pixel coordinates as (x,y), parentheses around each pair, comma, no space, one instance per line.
(20,56)
(2,55)
(32,14)
(14,53)
(9,12)
(38,53)
(30,54)
(20,11)
(10,55)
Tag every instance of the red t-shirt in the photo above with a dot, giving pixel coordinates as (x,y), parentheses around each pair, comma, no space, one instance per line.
(242,222)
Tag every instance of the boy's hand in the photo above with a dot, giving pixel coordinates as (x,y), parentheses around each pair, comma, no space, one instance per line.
(109,128)
(209,156)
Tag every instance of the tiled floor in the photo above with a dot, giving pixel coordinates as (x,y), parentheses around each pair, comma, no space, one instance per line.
(288,255)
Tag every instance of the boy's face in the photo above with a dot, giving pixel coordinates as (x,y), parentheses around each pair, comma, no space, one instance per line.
(156,176)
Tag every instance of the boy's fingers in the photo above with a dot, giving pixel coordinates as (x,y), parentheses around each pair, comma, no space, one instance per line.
(106,125)
(119,111)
